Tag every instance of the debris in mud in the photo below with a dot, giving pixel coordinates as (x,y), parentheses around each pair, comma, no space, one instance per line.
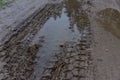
(42,39)
(31,49)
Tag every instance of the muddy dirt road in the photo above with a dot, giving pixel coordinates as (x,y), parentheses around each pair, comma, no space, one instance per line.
(64,40)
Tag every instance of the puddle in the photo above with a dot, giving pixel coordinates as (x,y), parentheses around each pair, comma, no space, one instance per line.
(66,24)
(40,37)
(110,19)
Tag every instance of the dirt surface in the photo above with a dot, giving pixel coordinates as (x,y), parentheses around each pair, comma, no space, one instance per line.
(62,40)
(15,13)
(107,43)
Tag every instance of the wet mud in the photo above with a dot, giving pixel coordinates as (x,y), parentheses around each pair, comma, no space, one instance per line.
(74,62)
(58,35)
(18,50)
(110,19)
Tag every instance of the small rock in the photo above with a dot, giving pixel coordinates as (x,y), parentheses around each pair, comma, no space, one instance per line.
(106,50)
(61,45)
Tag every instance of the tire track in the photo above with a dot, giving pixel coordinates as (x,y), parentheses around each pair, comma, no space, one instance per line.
(18,52)
(73,63)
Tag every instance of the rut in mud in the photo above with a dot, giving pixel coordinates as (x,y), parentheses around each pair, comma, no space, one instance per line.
(40,38)
(74,62)
(18,52)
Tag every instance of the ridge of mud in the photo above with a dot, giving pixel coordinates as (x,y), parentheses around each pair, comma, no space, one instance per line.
(17,52)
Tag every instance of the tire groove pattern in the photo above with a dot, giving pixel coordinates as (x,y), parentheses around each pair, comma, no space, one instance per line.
(74,61)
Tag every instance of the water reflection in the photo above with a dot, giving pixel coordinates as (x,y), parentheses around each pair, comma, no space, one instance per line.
(68,16)
(54,23)
(110,19)
(19,51)
(77,16)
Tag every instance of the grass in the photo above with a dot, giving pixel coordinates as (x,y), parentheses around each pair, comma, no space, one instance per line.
(1,3)
(4,2)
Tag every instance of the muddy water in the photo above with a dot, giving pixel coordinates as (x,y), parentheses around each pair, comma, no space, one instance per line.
(60,28)
(56,33)
(57,29)
(28,48)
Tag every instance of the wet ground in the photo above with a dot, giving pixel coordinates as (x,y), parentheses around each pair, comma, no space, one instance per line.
(57,42)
